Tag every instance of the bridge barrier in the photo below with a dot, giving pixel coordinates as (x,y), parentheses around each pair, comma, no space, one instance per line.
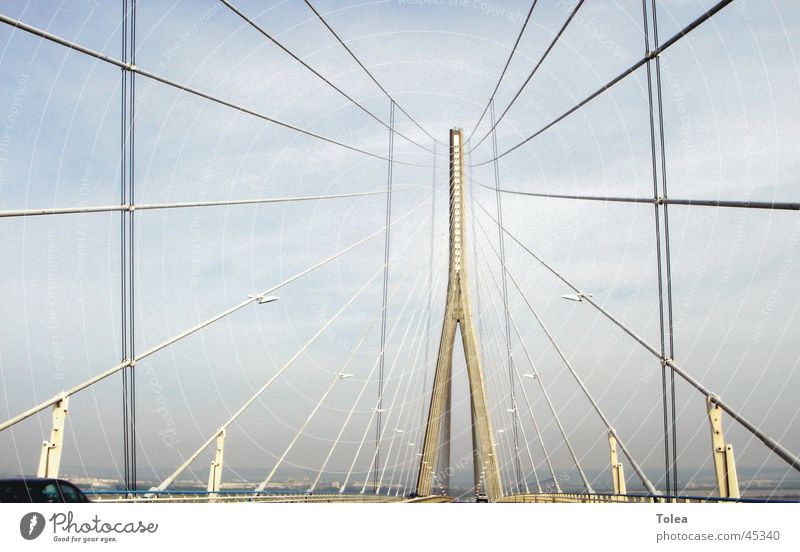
(607,498)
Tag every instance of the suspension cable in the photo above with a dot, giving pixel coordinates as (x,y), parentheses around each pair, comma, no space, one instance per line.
(169,480)
(478,314)
(497,388)
(418,432)
(659,268)
(317,73)
(126,256)
(740,204)
(522,426)
(380,437)
(252,299)
(367,380)
(410,435)
(339,376)
(420,402)
(197,453)
(495,385)
(545,452)
(397,428)
(771,443)
(407,463)
(386,249)
(630,70)
(478,304)
(504,295)
(185,88)
(538,377)
(429,306)
(553,42)
(373,411)
(371,76)
(667,254)
(420,334)
(645,481)
(381,353)
(503,73)
(181,205)
(423,338)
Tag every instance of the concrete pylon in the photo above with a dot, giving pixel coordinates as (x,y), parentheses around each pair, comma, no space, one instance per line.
(436,447)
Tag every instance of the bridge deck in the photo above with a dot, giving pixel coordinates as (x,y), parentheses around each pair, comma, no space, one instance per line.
(597,498)
(368,498)
(249,497)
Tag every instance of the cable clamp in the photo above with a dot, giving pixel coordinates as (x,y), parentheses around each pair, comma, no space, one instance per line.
(660,200)
(650,54)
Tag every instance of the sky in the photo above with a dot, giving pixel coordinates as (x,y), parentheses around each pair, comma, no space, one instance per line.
(730,118)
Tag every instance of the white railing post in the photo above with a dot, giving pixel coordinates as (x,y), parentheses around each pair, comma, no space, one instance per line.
(617,472)
(215,473)
(722,453)
(50,458)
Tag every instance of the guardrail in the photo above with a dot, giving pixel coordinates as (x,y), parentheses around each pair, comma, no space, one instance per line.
(607,498)
(115,496)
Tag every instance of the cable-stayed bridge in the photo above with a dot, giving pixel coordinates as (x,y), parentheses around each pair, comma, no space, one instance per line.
(403,451)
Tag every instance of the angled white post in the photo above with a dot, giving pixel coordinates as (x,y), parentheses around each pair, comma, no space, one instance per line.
(215,472)
(50,458)
(617,473)
(722,453)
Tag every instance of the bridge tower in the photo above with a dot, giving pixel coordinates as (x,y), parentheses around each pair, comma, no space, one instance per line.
(435,460)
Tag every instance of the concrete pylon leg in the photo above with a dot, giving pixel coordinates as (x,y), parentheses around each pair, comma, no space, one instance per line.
(443,466)
(441,384)
(477,463)
(480,411)
(458,313)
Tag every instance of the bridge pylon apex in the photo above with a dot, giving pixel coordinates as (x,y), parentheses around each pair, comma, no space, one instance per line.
(435,460)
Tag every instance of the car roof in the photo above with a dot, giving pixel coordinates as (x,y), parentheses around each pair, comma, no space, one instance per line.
(23,479)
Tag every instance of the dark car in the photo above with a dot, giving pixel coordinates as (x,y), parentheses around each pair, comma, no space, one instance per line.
(39,489)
